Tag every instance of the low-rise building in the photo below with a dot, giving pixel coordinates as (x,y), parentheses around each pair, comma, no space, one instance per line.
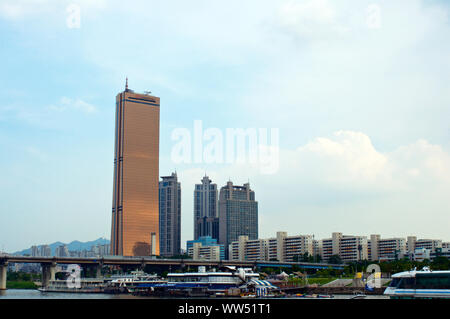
(441,252)
(420,254)
(430,244)
(199,252)
(205,248)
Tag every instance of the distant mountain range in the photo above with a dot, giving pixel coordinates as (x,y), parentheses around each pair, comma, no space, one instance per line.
(73,246)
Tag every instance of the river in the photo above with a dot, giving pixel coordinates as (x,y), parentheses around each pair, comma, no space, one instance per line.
(35,294)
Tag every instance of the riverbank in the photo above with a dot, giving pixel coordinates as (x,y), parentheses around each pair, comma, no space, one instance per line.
(21,285)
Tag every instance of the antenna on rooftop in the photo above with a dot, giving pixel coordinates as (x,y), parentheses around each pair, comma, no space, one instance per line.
(126,84)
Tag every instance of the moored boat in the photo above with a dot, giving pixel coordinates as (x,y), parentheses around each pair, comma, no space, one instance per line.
(424,284)
(134,282)
(200,283)
(85,285)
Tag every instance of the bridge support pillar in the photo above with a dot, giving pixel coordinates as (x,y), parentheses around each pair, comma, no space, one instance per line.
(98,271)
(3,274)
(48,273)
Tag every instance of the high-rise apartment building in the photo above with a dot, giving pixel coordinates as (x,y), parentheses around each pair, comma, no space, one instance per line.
(206,214)
(386,248)
(62,251)
(35,252)
(169,216)
(282,248)
(296,247)
(238,214)
(135,209)
(411,243)
(317,248)
(46,251)
(348,248)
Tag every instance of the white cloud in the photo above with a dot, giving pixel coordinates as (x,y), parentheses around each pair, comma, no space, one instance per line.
(15,10)
(66,104)
(348,159)
(63,114)
(312,18)
(391,82)
(422,163)
(11,11)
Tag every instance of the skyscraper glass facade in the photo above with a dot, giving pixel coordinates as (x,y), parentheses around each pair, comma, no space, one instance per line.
(238,214)
(169,215)
(135,211)
(206,221)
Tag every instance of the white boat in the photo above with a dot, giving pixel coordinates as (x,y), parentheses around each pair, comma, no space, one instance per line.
(131,283)
(420,284)
(211,281)
(86,285)
(358,295)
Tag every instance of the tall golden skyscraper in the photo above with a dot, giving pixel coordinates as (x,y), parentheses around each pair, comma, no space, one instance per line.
(135,211)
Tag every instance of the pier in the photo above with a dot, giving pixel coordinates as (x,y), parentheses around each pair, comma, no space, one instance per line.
(332,290)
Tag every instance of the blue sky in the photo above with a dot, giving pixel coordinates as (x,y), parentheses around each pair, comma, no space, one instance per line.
(362,108)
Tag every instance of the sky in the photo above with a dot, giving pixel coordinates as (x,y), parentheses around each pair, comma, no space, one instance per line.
(358,91)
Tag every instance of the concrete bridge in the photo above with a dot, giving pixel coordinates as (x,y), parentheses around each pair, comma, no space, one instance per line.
(49,264)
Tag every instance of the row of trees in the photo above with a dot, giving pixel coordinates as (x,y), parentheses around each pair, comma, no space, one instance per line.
(23,276)
(306,257)
(394,266)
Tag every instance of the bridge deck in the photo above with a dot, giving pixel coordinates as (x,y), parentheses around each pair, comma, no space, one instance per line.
(110,260)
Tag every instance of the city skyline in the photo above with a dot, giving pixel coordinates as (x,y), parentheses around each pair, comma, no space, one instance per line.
(361,106)
(374,247)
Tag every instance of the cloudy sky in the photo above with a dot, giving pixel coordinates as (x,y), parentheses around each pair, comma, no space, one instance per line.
(358,90)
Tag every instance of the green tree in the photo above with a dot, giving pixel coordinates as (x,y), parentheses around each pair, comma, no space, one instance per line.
(440,263)
(335,259)
(305,257)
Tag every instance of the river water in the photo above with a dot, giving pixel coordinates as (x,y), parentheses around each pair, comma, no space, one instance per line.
(36,294)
